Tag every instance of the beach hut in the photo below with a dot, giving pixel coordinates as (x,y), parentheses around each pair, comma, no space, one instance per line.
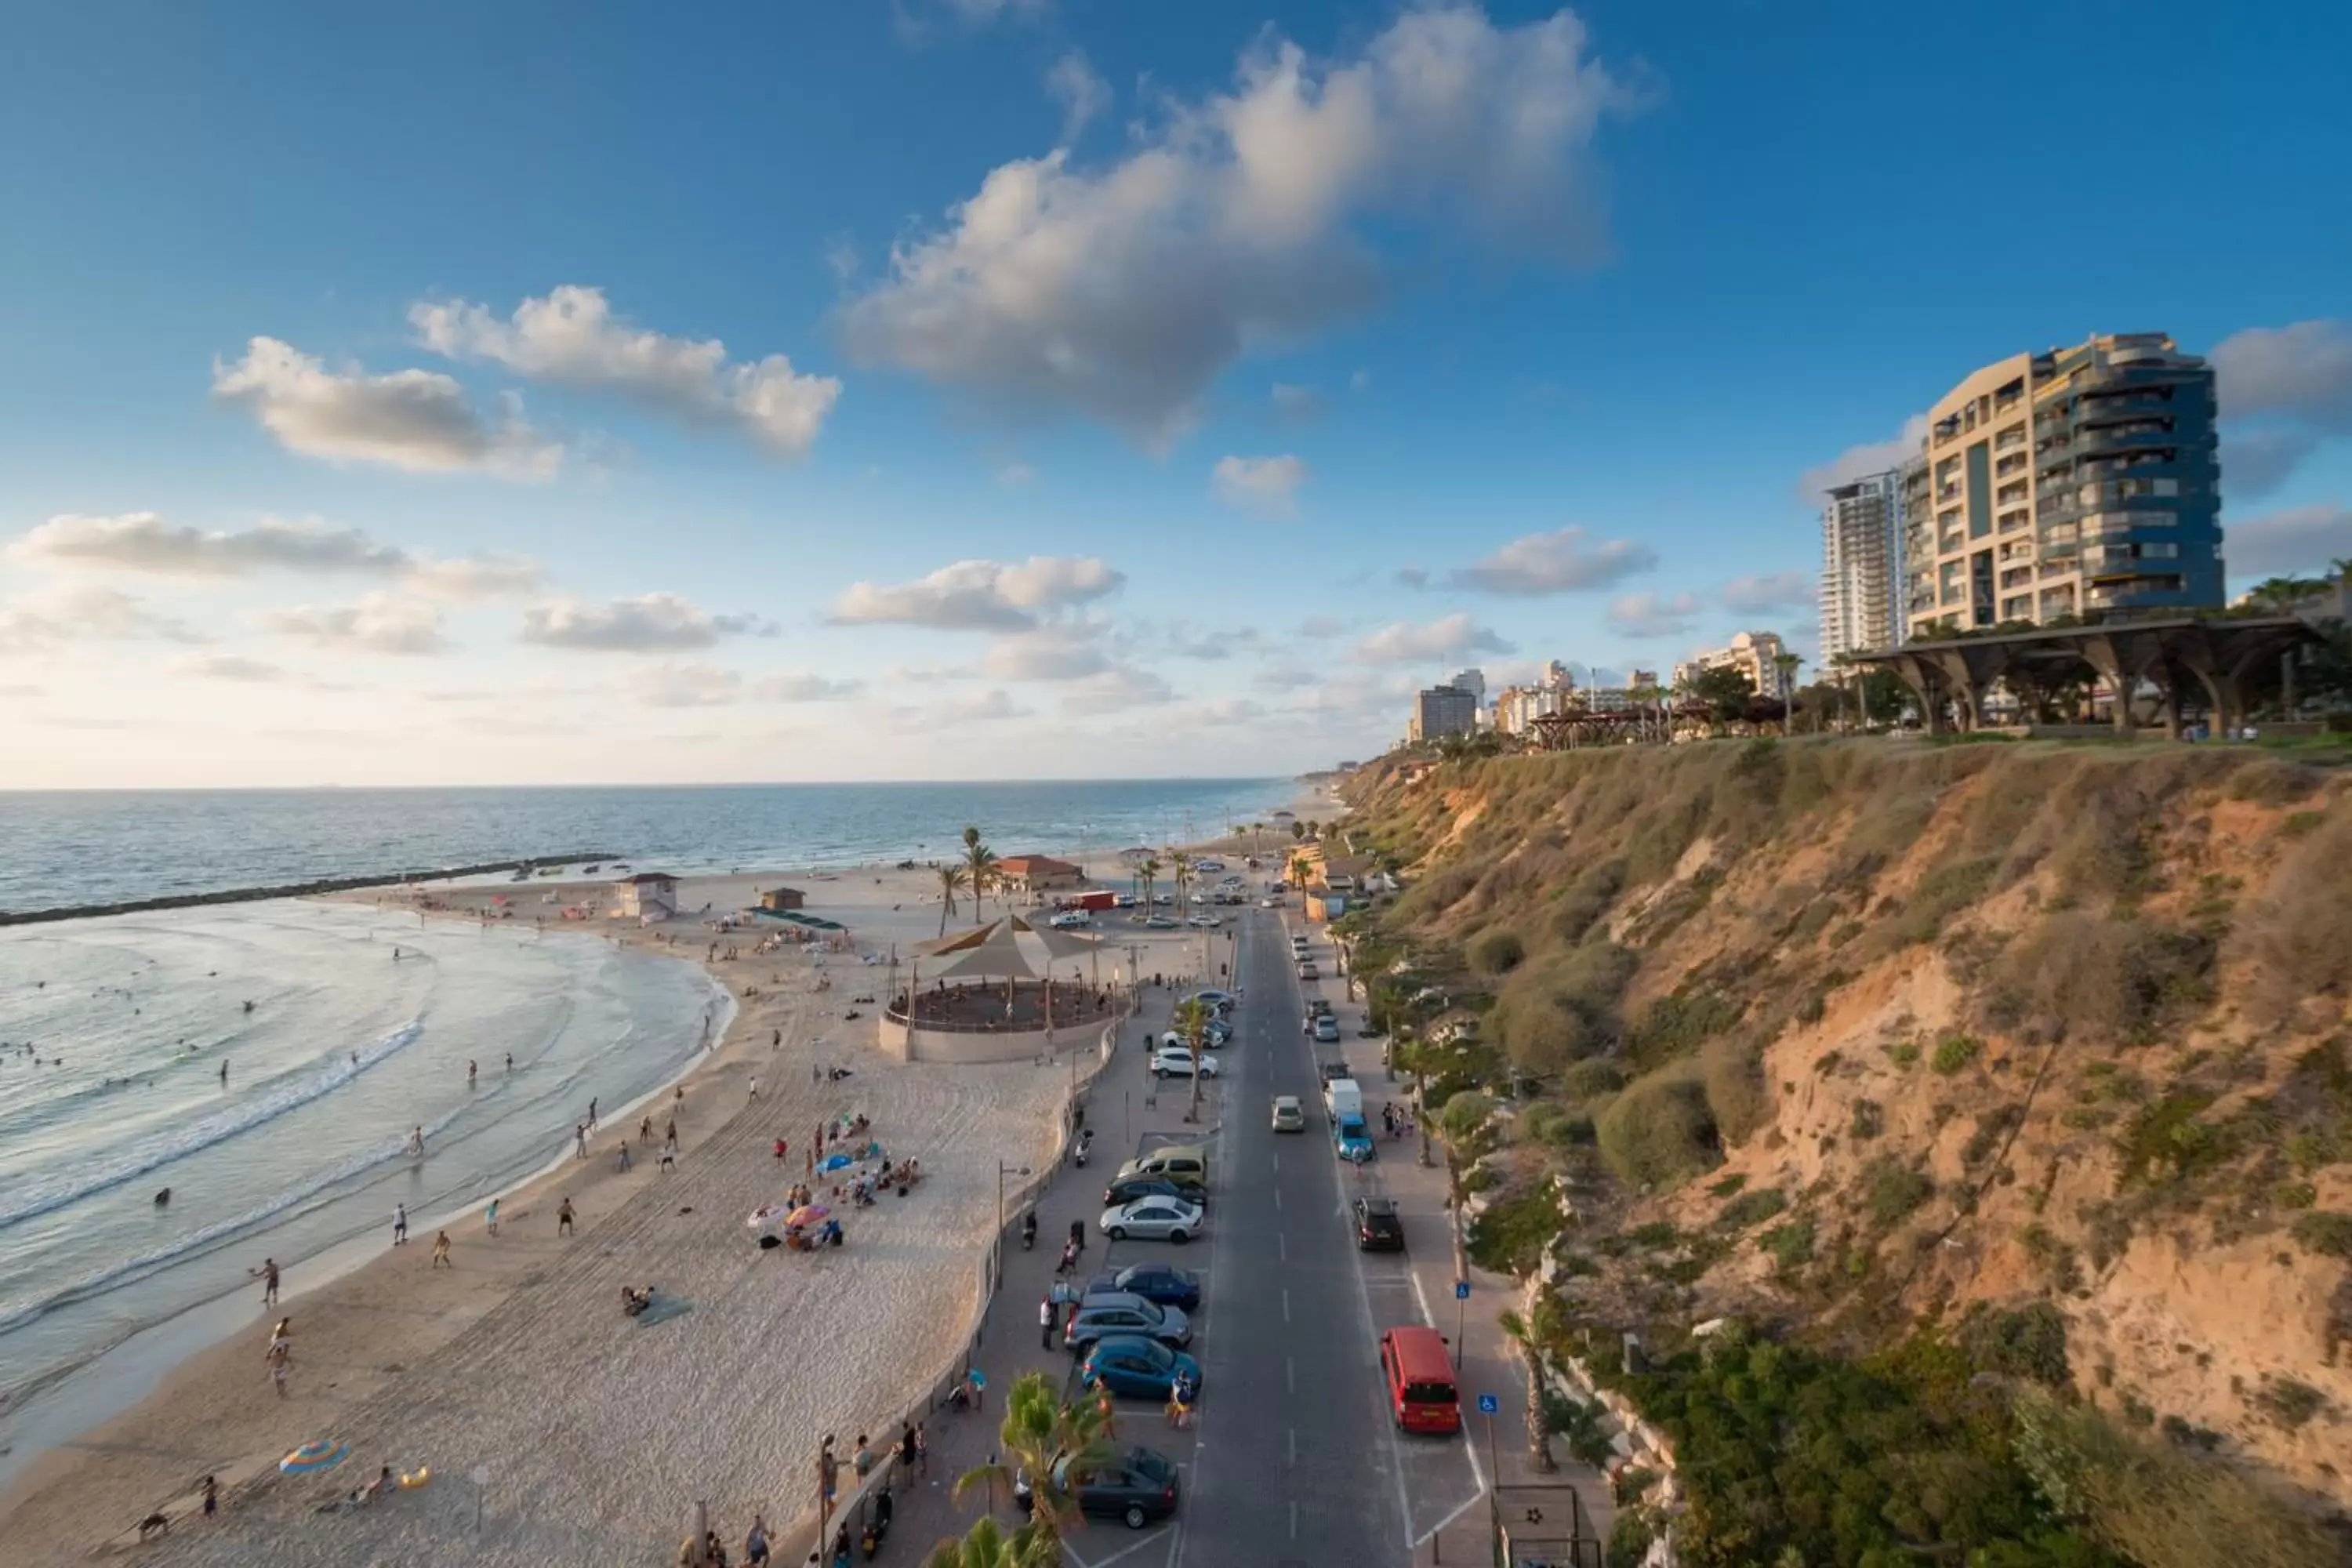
(777,899)
(647,894)
(1034,875)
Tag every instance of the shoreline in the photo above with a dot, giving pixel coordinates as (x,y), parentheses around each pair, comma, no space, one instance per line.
(149,1455)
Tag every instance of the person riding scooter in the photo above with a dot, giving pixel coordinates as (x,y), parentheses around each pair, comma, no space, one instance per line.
(1086,1144)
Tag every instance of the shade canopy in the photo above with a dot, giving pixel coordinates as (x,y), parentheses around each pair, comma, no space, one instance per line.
(1007,948)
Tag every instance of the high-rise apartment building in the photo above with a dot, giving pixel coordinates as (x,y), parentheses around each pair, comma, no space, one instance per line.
(1756,655)
(1862,556)
(1472,682)
(2075,482)
(1442,711)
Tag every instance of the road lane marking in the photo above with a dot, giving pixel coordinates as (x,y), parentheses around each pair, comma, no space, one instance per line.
(1128,1550)
(1277,1197)
(1285,1303)
(1450,1518)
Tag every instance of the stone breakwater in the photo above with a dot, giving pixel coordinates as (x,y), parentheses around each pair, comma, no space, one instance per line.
(289,890)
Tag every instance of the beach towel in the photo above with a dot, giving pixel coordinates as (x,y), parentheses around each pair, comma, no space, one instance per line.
(665,1307)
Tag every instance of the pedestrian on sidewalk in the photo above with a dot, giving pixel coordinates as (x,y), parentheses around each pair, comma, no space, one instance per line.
(922,1449)
(1046,1319)
(907,1450)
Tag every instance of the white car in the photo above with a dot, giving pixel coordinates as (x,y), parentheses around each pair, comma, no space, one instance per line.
(1153,1219)
(1177,1062)
(1206,922)
(1287,1115)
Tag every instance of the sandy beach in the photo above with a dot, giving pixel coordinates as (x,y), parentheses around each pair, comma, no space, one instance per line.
(597,1432)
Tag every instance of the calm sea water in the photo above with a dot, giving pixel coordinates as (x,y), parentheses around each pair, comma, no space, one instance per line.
(74,847)
(113,1031)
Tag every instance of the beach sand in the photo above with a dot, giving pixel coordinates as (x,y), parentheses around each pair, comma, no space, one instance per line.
(598,1432)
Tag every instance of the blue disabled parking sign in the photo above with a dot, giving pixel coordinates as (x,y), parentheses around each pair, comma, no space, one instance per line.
(1461,1289)
(1488,1404)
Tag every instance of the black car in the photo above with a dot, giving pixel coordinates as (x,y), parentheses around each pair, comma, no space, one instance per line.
(1134,1487)
(1155,1282)
(1331,1070)
(1379,1227)
(1129,1188)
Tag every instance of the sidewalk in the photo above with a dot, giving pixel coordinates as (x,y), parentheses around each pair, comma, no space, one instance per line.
(1126,1108)
(1489,1363)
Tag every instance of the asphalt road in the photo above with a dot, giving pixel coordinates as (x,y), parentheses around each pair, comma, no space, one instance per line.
(1297,1461)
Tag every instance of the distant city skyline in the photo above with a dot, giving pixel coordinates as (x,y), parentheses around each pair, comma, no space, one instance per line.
(940,388)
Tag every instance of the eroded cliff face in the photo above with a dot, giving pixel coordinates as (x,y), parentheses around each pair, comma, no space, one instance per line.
(1852,1035)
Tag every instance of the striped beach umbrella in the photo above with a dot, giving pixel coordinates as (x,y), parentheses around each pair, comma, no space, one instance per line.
(312,1458)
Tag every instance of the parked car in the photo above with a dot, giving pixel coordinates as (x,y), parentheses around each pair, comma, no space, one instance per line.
(1353,1140)
(1159,1282)
(1159,922)
(1153,1219)
(1223,1001)
(1269,903)
(1379,1227)
(1116,1313)
(1326,1028)
(1069,918)
(1132,1368)
(1135,1487)
(1128,1189)
(1206,922)
(1288,1116)
(1307,970)
(1176,1061)
(1331,1072)
(1180,1163)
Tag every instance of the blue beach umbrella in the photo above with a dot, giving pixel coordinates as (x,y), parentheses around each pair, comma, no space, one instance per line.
(312,1458)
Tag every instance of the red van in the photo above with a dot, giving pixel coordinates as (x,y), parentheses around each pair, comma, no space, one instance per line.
(1420,1378)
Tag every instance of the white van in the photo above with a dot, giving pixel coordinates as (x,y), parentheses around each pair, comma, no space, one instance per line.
(1343,1097)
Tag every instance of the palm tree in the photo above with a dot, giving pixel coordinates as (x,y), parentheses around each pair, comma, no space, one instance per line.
(1192,1021)
(1300,869)
(1522,1335)
(986,1545)
(979,869)
(1039,1429)
(1183,869)
(1150,872)
(951,882)
(1297,830)
(1785,666)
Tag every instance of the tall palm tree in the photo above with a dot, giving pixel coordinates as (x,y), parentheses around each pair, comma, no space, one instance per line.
(1040,1428)
(952,878)
(1183,872)
(986,1545)
(979,869)
(1522,1335)
(1192,1021)
(1256,829)
(1150,872)
(1301,868)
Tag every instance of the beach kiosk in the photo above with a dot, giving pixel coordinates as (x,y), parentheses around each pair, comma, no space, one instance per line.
(648,893)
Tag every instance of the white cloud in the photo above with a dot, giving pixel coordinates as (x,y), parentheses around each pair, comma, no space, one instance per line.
(1116,691)
(2256,462)
(2299,542)
(225,667)
(144,542)
(414,419)
(378,623)
(1561,562)
(1770,590)
(1650,615)
(1267,486)
(1081,91)
(1045,653)
(48,621)
(572,338)
(981,595)
(683,686)
(648,623)
(1283,675)
(2299,372)
(1858,462)
(1120,293)
(967,708)
(1402,642)
(800,686)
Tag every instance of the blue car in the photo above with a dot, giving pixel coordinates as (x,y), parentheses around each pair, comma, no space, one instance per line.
(1354,1139)
(1155,1282)
(1137,1368)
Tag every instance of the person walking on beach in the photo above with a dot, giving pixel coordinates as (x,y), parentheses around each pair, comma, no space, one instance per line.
(755,1545)
(776,1040)
(278,1355)
(212,1496)
(755,1085)
(224,1074)
(470,1071)
(646,1130)
(670,1137)
(441,1251)
(1046,1319)
(268,1274)
(509,1061)
(624,1154)
(400,1225)
(580,1140)
(592,1116)
(564,1217)
(490,1218)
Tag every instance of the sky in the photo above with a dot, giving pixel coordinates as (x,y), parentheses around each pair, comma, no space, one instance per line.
(945,389)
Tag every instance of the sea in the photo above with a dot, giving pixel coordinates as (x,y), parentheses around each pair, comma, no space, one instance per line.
(114,1031)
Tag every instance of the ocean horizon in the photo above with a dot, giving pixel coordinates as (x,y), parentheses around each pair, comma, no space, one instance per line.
(72,849)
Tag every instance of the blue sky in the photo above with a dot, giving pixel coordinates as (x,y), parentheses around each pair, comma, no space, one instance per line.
(1106,389)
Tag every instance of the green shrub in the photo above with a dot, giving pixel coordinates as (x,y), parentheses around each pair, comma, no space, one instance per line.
(1658,1130)
(1509,1235)
(1678,1024)
(1750,1208)
(2296,939)
(1591,1078)
(1954,1052)
(1939,896)
(1892,1192)
(2167,1142)
(1561,1006)
(1790,1244)
(1992,1129)
(2328,1235)
(1587,900)
(2289,1402)
(2029,1344)
(1869,1120)
(2300,824)
(1903,1053)
(1731,1070)
(1497,953)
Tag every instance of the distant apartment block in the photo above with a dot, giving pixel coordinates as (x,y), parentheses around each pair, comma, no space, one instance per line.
(1442,711)
(1861,574)
(1472,682)
(1755,654)
(2075,482)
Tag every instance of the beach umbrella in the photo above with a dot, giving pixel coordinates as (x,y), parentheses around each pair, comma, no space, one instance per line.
(808,1213)
(312,1458)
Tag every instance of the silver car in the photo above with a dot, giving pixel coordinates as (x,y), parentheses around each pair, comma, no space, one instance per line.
(1123,1312)
(1153,1219)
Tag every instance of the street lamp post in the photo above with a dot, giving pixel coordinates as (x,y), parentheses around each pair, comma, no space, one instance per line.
(1002,1171)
